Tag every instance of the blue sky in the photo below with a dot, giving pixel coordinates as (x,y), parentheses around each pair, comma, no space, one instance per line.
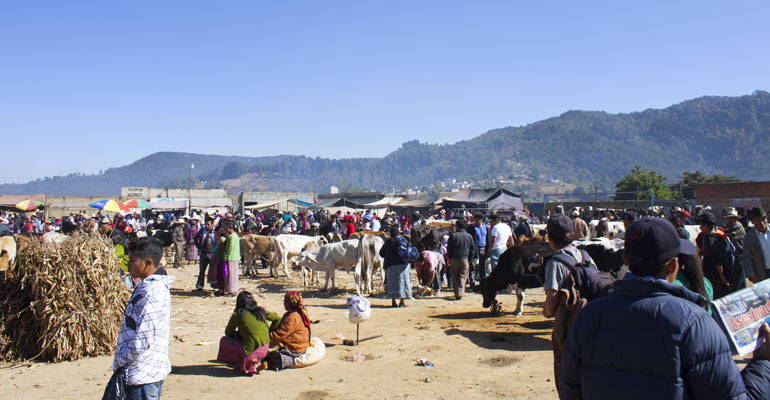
(89,85)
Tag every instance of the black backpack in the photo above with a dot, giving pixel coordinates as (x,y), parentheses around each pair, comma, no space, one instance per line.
(590,282)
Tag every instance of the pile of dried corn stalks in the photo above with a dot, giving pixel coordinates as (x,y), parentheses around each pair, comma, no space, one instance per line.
(62,302)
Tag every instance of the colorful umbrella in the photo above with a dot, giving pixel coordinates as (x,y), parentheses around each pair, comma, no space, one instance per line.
(29,205)
(141,204)
(109,205)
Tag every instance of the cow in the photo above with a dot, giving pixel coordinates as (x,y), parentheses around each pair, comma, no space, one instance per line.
(285,247)
(693,230)
(7,252)
(616,229)
(606,253)
(252,247)
(345,254)
(371,261)
(425,237)
(520,266)
(523,267)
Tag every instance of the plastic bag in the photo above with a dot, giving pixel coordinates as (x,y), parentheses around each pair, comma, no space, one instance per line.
(116,388)
(359,309)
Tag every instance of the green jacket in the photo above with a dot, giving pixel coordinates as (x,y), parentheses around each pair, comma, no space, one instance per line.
(233,247)
(254,332)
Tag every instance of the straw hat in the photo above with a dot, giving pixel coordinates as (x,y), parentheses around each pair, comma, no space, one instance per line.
(730,212)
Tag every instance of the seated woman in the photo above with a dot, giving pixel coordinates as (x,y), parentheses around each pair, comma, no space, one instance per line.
(292,337)
(247,334)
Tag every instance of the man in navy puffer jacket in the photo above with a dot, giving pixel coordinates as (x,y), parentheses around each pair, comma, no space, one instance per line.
(650,339)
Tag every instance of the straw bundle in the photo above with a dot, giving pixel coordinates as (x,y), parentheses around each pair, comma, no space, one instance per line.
(63,302)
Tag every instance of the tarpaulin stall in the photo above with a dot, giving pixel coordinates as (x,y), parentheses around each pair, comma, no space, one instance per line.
(487,199)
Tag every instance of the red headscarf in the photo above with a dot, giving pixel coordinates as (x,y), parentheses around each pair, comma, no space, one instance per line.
(294,298)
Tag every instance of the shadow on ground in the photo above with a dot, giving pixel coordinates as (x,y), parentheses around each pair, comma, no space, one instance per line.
(513,341)
(214,370)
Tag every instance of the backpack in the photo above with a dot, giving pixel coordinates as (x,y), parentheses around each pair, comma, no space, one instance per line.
(589,281)
(406,251)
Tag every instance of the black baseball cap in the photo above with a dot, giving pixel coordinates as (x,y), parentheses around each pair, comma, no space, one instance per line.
(654,240)
(560,227)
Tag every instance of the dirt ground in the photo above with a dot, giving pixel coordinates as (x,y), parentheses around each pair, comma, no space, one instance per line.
(475,355)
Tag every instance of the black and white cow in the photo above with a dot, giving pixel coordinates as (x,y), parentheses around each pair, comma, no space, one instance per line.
(522,267)
(519,266)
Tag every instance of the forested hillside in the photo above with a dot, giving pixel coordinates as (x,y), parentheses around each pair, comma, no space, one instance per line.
(726,135)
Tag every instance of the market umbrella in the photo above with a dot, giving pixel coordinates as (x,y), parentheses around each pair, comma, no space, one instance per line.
(141,204)
(29,205)
(109,205)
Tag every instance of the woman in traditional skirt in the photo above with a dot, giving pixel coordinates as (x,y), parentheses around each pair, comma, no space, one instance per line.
(190,250)
(398,274)
(217,271)
(232,257)
(247,334)
(292,337)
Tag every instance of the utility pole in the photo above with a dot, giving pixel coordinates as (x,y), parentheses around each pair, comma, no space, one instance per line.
(189,189)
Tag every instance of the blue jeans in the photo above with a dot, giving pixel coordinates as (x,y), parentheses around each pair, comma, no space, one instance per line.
(493,256)
(149,391)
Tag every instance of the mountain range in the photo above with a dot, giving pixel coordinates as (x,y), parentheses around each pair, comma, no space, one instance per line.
(713,134)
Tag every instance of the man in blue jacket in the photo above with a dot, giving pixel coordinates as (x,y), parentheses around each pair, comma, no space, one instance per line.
(650,339)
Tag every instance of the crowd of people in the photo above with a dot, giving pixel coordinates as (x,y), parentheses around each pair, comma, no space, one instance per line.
(654,332)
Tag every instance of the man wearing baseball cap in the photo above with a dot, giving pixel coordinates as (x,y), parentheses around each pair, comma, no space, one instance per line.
(651,339)
(559,299)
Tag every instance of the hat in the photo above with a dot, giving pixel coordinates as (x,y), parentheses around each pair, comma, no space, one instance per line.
(228,215)
(442,211)
(575,213)
(652,240)
(757,212)
(730,212)
(180,221)
(196,218)
(105,220)
(560,227)
(629,215)
(677,209)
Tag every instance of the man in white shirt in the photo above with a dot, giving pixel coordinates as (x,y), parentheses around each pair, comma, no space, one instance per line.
(499,238)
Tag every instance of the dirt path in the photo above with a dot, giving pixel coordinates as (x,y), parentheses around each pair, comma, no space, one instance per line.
(475,355)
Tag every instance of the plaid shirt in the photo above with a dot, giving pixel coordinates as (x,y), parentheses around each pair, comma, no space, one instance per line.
(144,332)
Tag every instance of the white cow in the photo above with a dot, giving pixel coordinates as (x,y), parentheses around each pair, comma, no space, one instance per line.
(371,260)
(693,230)
(345,254)
(287,246)
(616,228)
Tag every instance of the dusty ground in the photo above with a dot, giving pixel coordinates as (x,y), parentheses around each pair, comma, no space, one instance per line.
(475,355)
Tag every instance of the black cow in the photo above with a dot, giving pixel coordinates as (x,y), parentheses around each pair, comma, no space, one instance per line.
(425,237)
(606,257)
(520,266)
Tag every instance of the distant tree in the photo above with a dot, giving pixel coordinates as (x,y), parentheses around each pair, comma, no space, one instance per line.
(642,180)
(686,185)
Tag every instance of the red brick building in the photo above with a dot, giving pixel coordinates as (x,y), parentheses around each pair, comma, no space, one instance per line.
(743,195)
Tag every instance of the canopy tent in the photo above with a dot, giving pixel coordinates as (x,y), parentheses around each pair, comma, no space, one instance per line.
(385,202)
(168,204)
(287,204)
(492,199)
(339,202)
(425,206)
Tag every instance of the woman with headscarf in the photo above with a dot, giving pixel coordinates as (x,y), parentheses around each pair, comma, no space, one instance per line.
(292,337)
(398,274)
(247,334)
